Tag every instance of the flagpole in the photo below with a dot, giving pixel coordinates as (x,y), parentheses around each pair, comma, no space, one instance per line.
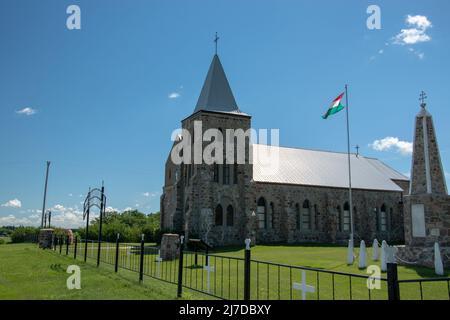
(349,168)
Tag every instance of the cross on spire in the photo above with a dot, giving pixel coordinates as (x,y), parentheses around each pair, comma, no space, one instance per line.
(422,98)
(216,39)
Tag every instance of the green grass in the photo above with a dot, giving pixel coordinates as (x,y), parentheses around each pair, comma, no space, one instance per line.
(271,282)
(37,279)
(27,272)
(332,258)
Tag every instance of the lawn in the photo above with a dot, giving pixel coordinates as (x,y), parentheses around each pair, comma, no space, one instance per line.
(272,281)
(27,272)
(43,276)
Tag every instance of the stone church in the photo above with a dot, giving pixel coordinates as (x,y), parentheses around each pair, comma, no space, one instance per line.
(306,200)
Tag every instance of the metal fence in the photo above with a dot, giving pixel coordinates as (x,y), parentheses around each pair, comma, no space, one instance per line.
(235,278)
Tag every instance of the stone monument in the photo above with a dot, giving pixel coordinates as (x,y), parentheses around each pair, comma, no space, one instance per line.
(427,206)
(45,238)
(170,246)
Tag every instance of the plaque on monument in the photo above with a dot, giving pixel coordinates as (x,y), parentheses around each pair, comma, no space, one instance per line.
(418,220)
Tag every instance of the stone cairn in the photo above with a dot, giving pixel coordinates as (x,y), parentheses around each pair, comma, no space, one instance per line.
(170,246)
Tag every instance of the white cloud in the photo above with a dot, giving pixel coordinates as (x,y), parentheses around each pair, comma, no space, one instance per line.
(26,111)
(174,95)
(381,51)
(392,143)
(14,203)
(66,217)
(111,209)
(12,220)
(416,33)
(150,194)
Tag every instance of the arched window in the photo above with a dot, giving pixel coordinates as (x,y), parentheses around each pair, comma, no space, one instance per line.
(261,211)
(306,216)
(346,218)
(383,218)
(226,174)
(218,215)
(216,172)
(230,216)
(297,216)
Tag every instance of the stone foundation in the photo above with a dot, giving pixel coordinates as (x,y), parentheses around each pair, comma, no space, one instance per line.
(422,256)
(170,246)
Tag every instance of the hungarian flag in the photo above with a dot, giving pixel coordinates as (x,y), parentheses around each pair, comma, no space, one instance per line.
(335,107)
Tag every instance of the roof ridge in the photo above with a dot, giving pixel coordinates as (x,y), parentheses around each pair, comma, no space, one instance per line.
(317,150)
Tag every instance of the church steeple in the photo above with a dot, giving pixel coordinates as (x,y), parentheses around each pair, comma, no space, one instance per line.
(427,176)
(216,94)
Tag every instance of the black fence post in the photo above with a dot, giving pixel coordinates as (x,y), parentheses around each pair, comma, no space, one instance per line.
(247,270)
(180,268)
(75,249)
(60,240)
(207,257)
(116,263)
(67,245)
(392,280)
(196,256)
(141,262)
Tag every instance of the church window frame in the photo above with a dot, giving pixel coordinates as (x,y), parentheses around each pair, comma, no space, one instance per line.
(306,216)
(230,216)
(226,174)
(346,218)
(383,218)
(261,211)
(216,172)
(218,216)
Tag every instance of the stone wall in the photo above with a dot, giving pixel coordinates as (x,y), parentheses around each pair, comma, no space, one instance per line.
(326,222)
(437,220)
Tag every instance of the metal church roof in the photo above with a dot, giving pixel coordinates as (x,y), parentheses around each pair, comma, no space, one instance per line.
(216,94)
(321,168)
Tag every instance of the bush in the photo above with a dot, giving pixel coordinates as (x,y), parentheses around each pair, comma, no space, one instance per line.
(2,241)
(24,234)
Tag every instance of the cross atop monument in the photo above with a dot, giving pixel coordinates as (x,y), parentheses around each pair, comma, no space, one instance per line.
(216,39)
(422,98)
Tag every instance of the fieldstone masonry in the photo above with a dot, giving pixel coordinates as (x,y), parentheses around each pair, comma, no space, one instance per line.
(219,203)
(169,246)
(427,206)
(45,238)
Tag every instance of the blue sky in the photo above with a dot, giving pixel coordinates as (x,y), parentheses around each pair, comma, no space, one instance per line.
(103,101)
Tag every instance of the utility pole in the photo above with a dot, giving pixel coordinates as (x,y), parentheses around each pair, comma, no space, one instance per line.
(45,194)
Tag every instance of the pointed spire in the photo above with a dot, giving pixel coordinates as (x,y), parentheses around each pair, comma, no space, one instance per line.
(427,175)
(216,94)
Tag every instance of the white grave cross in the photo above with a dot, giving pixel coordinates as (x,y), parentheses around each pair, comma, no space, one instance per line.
(208,269)
(303,287)
(158,264)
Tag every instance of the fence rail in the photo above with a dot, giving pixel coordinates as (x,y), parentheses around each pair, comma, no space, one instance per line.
(227,277)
